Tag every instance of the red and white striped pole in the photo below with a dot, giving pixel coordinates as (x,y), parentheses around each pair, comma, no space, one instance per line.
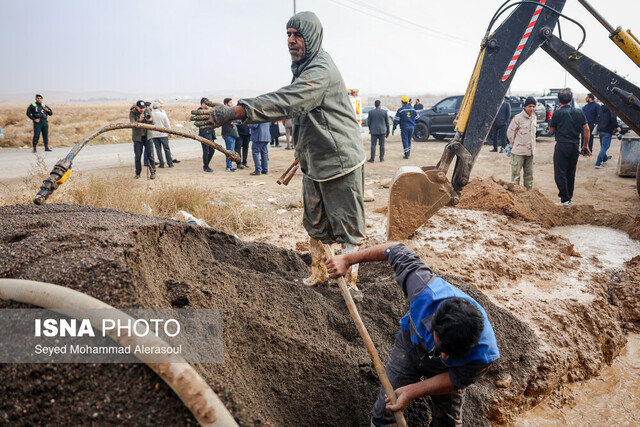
(523,41)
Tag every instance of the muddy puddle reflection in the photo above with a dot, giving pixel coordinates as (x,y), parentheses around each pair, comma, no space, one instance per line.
(613,398)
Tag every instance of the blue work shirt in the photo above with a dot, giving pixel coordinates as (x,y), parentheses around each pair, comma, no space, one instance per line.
(260,132)
(405,117)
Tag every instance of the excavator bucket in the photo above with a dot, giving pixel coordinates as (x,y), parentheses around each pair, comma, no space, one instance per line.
(629,157)
(414,196)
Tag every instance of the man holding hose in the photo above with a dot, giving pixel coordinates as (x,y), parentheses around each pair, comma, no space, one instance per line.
(445,337)
(328,143)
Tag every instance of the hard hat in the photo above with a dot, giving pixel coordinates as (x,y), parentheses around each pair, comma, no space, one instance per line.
(404,99)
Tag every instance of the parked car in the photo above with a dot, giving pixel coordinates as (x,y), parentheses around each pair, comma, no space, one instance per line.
(438,120)
(365,115)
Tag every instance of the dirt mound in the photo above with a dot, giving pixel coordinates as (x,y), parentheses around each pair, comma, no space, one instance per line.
(514,201)
(292,354)
(625,293)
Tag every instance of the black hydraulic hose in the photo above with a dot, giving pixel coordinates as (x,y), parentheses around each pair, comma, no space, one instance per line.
(503,9)
(62,169)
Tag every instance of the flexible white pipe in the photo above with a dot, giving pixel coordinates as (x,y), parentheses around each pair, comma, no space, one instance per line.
(190,387)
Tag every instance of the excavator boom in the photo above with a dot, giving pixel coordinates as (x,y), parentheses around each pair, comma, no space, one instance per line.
(529,26)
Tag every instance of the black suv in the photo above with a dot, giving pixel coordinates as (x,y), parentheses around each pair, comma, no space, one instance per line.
(438,120)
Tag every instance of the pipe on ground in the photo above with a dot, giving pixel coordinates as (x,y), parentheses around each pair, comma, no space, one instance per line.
(190,387)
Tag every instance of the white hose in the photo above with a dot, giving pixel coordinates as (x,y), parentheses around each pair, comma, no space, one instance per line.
(190,387)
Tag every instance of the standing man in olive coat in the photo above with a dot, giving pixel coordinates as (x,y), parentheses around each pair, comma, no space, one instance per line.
(328,143)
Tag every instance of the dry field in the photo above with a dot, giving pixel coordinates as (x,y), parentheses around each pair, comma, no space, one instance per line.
(70,123)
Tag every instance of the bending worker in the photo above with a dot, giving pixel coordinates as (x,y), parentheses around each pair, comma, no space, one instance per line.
(445,337)
(328,143)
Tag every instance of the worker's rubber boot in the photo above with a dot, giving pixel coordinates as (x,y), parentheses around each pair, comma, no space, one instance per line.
(352,274)
(319,273)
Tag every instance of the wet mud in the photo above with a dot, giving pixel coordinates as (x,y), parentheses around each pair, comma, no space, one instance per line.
(292,355)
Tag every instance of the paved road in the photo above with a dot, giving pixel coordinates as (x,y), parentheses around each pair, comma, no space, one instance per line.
(17,163)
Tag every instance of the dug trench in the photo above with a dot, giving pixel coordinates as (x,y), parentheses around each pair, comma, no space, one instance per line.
(292,355)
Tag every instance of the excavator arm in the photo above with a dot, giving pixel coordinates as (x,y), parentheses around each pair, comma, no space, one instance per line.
(418,193)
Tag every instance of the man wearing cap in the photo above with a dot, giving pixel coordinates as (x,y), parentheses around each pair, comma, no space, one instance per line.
(139,113)
(38,112)
(406,118)
(522,137)
(328,142)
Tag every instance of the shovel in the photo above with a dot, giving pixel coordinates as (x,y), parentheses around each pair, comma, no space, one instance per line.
(373,353)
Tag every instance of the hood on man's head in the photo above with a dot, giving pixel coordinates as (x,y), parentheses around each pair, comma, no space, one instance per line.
(311,29)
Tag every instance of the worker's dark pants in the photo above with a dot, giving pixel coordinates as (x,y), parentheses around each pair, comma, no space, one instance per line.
(334,210)
(147,146)
(163,144)
(41,127)
(242,148)
(207,154)
(565,159)
(408,364)
(406,133)
(374,139)
(499,136)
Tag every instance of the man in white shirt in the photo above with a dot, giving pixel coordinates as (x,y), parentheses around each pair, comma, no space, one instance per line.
(161,139)
(522,137)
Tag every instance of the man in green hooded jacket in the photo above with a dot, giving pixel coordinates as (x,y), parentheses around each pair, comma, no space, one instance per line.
(328,143)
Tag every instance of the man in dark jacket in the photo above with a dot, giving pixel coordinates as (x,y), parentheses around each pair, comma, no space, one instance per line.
(328,143)
(418,105)
(379,129)
(38,113)
(406,118)
(568,123)
(210,134)
(591,111)
(242,144)
(445,337)
(499,128)
(607,124)
(140,113)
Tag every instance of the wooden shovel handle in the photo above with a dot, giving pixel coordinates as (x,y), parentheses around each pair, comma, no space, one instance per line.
(288,174)
(373,353)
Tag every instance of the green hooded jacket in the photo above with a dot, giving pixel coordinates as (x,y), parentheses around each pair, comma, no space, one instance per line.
(325,130)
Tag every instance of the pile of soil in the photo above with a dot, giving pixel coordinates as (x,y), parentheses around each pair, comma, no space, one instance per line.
(292,355)
(514,201)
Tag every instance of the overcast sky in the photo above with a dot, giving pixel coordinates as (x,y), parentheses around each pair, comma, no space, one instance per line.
(199,46)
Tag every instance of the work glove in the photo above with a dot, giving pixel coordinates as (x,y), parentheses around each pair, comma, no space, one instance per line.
(214,117)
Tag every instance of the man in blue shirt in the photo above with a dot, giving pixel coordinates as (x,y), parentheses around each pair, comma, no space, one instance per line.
(591,111)
(260,137)
(446,338)
(406,118)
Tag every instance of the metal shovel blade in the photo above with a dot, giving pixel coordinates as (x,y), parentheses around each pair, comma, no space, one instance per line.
(415,195)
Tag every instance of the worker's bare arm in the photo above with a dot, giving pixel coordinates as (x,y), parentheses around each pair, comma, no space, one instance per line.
(338,265)
(586,133)
(440,384)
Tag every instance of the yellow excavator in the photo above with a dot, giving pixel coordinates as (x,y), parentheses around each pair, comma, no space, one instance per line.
(416,193)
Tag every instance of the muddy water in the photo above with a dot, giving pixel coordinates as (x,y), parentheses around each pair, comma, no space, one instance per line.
(611,247)
(612,399)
